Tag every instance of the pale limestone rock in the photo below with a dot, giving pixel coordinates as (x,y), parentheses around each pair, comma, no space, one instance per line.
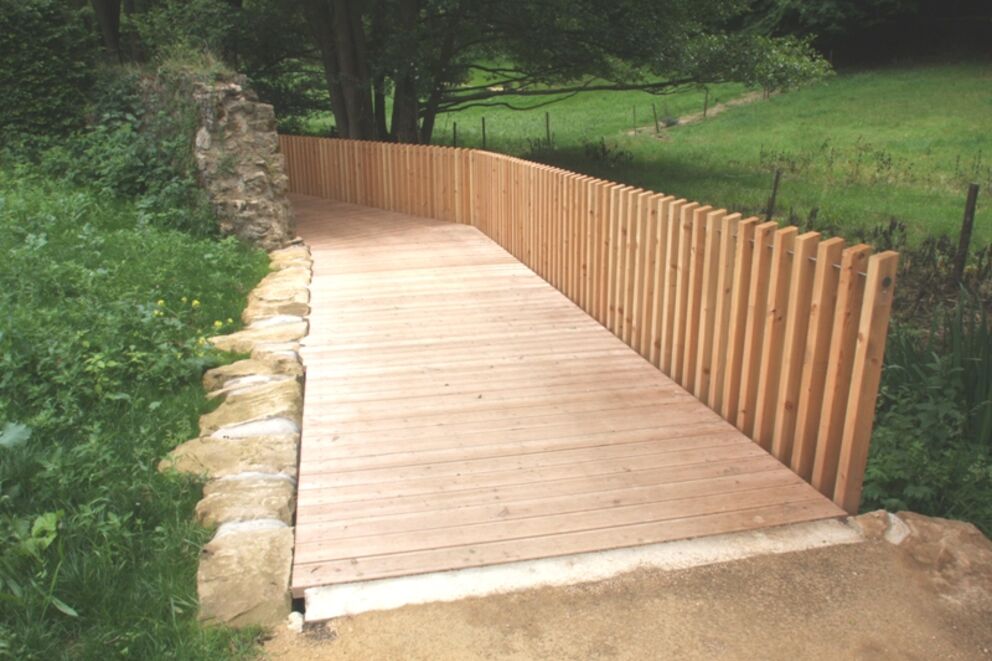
(247,496)
(218,457)
(282,399)
(218,377)
(243,579)
(872,525)
(290,257)
(248,382)
(295,276)
(244,341)
(262,308)
(281,292)
(283,357)
(267,427)
(957,555)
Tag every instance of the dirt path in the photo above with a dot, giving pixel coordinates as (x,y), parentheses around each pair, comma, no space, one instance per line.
(692,118)
(861,601)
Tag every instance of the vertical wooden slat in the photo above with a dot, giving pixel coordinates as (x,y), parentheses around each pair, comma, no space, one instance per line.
(622,248)
(814,370)
(635,288)
(682,280)
(662,205)
(755,326)
(670,291)
(737,326)
(649,296)
(612,219)
(840,364)
(867,372)
(721,322)
(794,344)
(697,262)
(776,310)
(709,303)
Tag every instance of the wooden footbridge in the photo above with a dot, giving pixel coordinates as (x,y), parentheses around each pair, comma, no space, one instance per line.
(508,361)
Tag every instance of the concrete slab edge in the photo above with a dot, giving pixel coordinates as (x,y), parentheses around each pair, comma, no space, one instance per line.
(323,603)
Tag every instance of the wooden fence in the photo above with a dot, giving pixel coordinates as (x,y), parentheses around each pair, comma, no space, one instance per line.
(781,333)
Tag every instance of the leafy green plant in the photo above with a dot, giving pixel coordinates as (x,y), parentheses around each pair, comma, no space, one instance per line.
(102,344)
(932,445)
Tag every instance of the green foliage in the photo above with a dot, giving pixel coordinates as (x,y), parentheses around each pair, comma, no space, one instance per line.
(138,147)
(931,449)
(184,25)
(46,63)
(101,350)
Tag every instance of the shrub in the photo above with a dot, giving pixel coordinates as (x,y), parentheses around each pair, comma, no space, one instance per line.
(932,445)
(46,65)
(138,147)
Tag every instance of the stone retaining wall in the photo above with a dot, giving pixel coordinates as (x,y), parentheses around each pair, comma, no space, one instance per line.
(248,448)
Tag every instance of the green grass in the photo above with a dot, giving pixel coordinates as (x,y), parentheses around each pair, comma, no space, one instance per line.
(102,320)
(861,148)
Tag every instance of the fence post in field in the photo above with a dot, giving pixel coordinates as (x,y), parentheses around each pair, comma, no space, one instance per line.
(706,100)
(771,201)
(964,240)
(654,111)
(633,118)
(547,127)
(483,132)
(454,134)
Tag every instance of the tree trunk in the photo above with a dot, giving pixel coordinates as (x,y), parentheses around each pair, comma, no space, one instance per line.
(405,106)
(349,37)
(437,76)
(322,27)
(108,17)
(379,108)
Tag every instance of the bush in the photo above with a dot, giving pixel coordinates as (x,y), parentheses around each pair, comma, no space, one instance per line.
(138,147)
(46,65)
(932,445)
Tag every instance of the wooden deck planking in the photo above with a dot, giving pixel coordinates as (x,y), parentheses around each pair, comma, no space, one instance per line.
(459,412)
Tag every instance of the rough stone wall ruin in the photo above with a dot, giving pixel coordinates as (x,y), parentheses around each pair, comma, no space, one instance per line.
(240,167)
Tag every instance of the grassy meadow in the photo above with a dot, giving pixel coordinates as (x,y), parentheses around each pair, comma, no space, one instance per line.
(861,147)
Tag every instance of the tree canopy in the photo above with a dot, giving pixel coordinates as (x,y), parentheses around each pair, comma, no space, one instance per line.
(387,68)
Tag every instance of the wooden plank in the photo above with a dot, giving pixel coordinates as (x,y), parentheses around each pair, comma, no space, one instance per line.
(794,344)
(381,566)
(680,292)
(840,365)
(754,325)
(867,372)
(660,241)
(696,319)
(738,317)
(771,353)
(703,348)
(727,230)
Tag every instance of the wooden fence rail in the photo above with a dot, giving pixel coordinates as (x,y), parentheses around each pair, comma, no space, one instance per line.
(781,333)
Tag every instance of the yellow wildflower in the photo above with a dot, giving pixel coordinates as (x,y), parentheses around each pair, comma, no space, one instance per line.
(195,304)
(218,324)
(183,299)
(160,303)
